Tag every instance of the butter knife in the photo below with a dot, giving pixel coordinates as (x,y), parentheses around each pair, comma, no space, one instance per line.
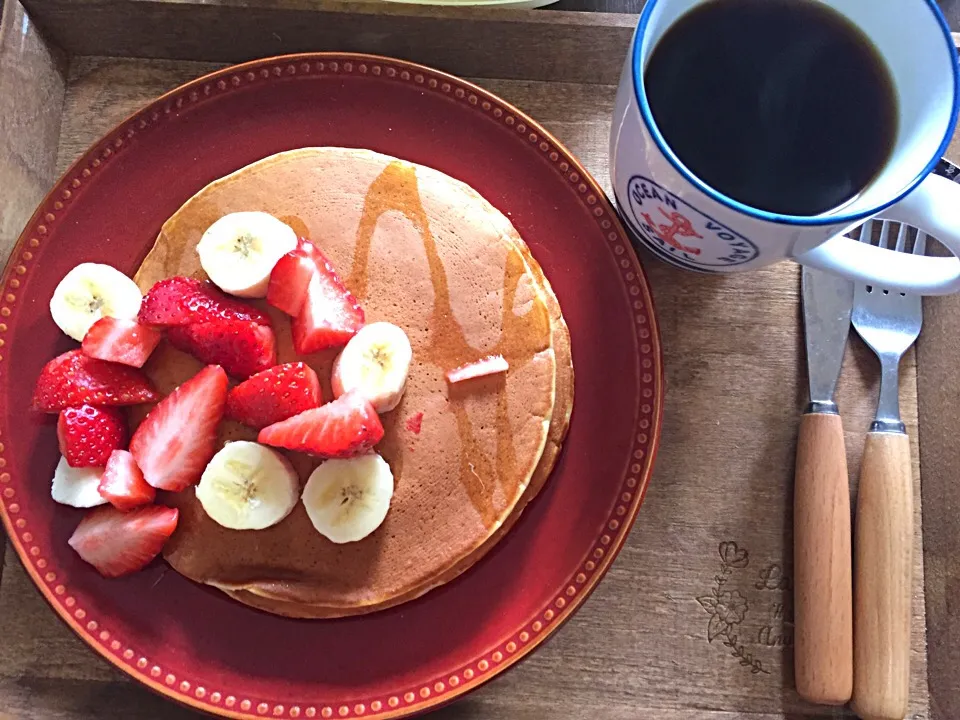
(823,598)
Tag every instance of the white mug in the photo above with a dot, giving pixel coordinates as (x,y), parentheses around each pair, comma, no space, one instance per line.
(686,222)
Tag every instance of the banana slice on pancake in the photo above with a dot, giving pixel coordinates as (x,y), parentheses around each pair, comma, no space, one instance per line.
(375,363)
(346,500)
(248,486)
(238,252)
(89,292)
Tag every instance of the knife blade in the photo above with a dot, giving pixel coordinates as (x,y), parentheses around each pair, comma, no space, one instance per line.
(823,593)
(827,305)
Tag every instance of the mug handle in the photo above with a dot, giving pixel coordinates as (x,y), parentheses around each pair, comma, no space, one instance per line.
(931,206)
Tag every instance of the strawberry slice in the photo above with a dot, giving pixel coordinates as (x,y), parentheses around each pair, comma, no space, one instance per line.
(121,341)
(73,379)
(182,300)
(274,395)
(118,543)
(122,484)
(290,278)
(87,434)
(330,315)
(176,440)
(241,347)
(490,365)
(343,428)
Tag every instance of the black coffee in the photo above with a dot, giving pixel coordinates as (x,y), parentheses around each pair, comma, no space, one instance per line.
(784,105)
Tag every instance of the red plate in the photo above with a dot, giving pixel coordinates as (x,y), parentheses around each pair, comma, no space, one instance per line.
(190,642)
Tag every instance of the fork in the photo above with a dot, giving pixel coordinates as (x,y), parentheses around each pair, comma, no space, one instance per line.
(889,323)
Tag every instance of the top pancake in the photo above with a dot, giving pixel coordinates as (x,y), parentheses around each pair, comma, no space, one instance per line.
(260,598)
(425,252)
(559,424)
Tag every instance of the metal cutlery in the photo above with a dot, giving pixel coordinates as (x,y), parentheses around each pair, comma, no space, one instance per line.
(889,323)
(823,604)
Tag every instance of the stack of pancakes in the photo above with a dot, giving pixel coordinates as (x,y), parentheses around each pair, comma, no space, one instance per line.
(425,252)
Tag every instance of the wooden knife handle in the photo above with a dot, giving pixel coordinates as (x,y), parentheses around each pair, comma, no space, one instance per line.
(823,601)
(884,568)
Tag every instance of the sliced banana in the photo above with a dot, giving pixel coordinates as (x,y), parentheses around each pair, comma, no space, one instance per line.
(375,362)
(89,292)
(77,486)
(248,486)
(347,500)
(239,250)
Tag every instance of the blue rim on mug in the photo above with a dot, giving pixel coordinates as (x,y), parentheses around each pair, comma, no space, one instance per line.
(779,217)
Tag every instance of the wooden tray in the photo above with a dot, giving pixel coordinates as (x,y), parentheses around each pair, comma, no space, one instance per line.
(718,512)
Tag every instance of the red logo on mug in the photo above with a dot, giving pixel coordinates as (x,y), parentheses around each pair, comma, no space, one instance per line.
(679,225)
(679,232)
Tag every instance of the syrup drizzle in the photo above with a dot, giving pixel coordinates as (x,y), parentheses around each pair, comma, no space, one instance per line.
(396,190)
(297,225)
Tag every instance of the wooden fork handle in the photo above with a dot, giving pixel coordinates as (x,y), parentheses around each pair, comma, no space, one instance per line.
(823,602)
(884,568)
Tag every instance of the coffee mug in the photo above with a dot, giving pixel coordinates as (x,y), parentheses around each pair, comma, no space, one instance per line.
(686,222)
